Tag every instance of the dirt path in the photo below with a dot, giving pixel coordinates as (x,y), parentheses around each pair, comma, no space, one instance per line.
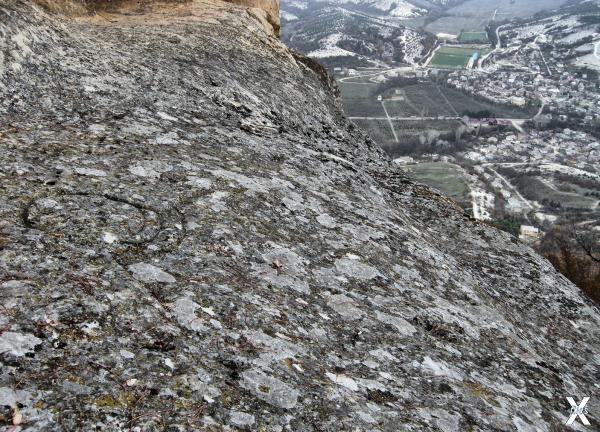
(447,101)
(512,188)
(390,122)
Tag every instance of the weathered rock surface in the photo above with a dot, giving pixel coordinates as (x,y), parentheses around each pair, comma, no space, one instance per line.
(265,11)
(192,237)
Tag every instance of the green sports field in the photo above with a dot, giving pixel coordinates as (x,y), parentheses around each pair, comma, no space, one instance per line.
(456,57)
(450,60)
(472,36)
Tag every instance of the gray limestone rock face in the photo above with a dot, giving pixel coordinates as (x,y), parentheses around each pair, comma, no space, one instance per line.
(241,419)
(17,344)
(345,307)
(269,389)
(193,237)
(148,273)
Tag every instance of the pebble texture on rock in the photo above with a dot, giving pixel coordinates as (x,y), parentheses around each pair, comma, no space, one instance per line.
(192,237)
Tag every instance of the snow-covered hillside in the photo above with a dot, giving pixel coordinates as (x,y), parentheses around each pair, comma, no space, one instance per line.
(347,29)
(288,16)
(395,8)
(573,32)
(328,47)
(401,9)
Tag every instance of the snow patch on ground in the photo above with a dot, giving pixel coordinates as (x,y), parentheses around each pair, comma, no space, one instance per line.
(482,201)
(413,46)
(286,16)
(400,8)
(395,8)
(568,170)
(302,5)
(329,48)
(591,60)
(578,35)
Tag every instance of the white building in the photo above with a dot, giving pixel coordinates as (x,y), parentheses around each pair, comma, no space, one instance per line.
(529,233)
(518,101)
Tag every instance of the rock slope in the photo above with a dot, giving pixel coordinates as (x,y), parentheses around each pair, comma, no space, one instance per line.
(192,237)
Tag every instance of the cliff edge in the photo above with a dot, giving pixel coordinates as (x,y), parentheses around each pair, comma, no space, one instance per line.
(265,11)
(193,237)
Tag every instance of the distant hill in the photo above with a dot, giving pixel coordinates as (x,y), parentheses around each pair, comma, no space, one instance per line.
(384,32)
(573,32)
(356,33)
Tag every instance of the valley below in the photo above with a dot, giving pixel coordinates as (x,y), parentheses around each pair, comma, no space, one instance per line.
(499,87)
(494,103)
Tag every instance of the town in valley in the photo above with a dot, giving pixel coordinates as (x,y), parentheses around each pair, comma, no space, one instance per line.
(498,109)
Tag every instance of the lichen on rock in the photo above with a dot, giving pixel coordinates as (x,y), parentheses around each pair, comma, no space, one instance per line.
(193,237)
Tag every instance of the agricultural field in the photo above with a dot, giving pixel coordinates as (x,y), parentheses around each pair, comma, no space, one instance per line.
(423,116)
(360,100)
(409,133)
(415,127)
(420,100)
(447,178)
(365,76)
(379,130)
(463,102)
(456,57)
(572,200)
(351,90)
(549,194)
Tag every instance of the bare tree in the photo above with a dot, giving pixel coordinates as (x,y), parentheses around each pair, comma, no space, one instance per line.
(459,133)
(432,135)
(574,252)
(589,242)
